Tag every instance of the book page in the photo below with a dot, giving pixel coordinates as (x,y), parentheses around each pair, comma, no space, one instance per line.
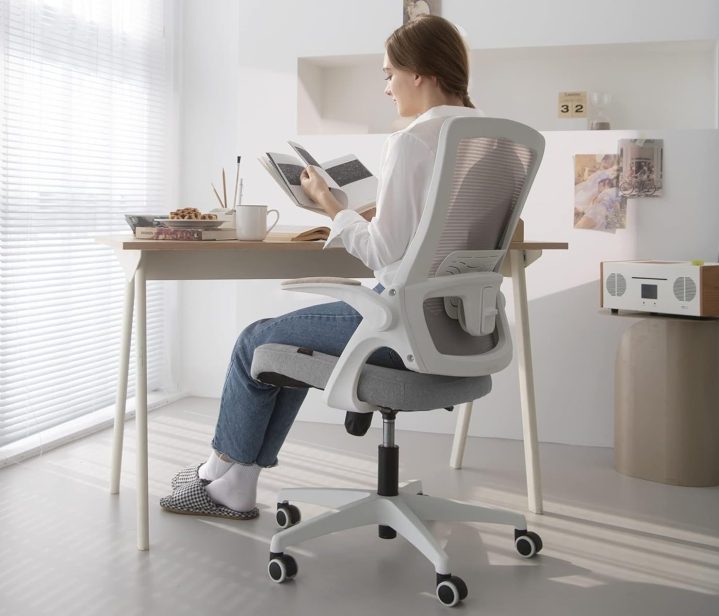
(346,170)
(304,154)
(312,161)
(289,168)
(272,170)
(362,195)
(355,180)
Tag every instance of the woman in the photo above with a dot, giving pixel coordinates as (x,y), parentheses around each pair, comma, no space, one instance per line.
(427,70)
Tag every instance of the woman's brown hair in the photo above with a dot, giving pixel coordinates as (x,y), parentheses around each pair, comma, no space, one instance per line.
(433,47)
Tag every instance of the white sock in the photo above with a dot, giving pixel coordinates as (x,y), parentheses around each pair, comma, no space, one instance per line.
(237,488)
(215,467)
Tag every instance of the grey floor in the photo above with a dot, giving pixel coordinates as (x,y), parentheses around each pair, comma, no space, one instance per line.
(613,544)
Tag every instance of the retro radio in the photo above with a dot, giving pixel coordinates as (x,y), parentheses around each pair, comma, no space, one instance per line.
(666,287)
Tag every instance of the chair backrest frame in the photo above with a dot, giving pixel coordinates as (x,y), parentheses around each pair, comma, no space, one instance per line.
(405,329)
(420,252)
(415,282)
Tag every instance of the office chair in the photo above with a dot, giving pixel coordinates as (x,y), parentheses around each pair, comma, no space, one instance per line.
(445,317)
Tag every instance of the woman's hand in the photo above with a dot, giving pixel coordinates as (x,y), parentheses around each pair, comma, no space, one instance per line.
(313,184)
(317,190)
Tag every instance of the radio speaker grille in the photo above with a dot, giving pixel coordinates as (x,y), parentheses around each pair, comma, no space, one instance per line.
(685,289)
(616,285)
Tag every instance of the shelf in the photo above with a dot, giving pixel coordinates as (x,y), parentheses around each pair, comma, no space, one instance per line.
(662,85)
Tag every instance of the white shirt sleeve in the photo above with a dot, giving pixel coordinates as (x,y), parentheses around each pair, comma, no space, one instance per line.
(404,178)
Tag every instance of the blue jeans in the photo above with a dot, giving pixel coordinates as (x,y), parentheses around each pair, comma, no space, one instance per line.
(255,417)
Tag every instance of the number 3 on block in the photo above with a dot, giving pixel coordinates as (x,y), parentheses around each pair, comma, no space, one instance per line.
(572,105)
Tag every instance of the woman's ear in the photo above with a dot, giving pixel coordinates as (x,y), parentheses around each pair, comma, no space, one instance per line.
(420,79)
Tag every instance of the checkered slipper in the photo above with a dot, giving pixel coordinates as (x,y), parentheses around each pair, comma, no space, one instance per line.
(192,499)
(186,475)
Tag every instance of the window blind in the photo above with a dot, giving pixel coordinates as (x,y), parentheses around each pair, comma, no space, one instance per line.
(83,104)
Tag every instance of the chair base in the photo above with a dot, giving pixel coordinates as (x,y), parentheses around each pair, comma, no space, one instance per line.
(395,508)
(406,513)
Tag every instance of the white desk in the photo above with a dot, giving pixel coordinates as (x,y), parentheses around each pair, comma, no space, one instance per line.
(144,260)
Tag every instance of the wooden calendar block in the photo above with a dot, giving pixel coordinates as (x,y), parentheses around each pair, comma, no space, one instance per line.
(572,105)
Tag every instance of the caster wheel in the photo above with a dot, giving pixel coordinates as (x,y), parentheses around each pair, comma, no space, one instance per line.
(287,515)
(281,568)
(451,590)
(528,543)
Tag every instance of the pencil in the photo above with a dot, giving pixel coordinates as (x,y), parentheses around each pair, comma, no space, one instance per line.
(237,179)
(224,187)
(217,195)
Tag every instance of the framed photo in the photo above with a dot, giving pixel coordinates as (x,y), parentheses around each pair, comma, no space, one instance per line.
(641,168)
(597,203)
(414,8)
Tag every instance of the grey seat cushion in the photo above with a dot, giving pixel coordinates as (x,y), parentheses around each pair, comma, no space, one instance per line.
(404,390)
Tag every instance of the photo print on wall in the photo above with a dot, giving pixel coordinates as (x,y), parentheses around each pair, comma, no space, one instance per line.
(597,203)
(641,167)
(412,9)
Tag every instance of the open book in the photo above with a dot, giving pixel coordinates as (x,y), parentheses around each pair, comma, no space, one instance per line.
(311,235)
(351,183)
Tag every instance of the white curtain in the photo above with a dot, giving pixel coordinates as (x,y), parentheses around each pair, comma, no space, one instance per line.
(84,97)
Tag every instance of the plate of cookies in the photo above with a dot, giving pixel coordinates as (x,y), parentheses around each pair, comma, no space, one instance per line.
(190,218)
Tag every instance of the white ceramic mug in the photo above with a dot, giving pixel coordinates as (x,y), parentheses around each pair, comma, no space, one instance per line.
(251,222)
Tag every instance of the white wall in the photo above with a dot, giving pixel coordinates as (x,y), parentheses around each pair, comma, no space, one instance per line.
(647,82)
(240,97)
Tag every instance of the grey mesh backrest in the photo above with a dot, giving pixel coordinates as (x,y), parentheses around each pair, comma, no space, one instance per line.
(481,178)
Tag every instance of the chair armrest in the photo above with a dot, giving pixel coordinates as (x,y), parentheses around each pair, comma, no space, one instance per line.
(377,316)
(479,292)
(373,308)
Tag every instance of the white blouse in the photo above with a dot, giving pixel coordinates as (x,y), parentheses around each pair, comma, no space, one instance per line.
(406,169)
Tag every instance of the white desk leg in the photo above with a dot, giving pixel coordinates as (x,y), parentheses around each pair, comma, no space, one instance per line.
(526,383)
(119,425)
(460,435)
(143,526)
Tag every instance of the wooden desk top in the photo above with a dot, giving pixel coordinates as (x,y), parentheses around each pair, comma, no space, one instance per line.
(274,241)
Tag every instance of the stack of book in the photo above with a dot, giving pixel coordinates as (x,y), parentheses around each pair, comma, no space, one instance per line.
(184,234)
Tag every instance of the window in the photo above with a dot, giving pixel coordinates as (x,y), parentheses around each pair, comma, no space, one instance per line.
(84,100)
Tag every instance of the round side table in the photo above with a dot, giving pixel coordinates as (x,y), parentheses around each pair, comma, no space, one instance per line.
(666,401)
